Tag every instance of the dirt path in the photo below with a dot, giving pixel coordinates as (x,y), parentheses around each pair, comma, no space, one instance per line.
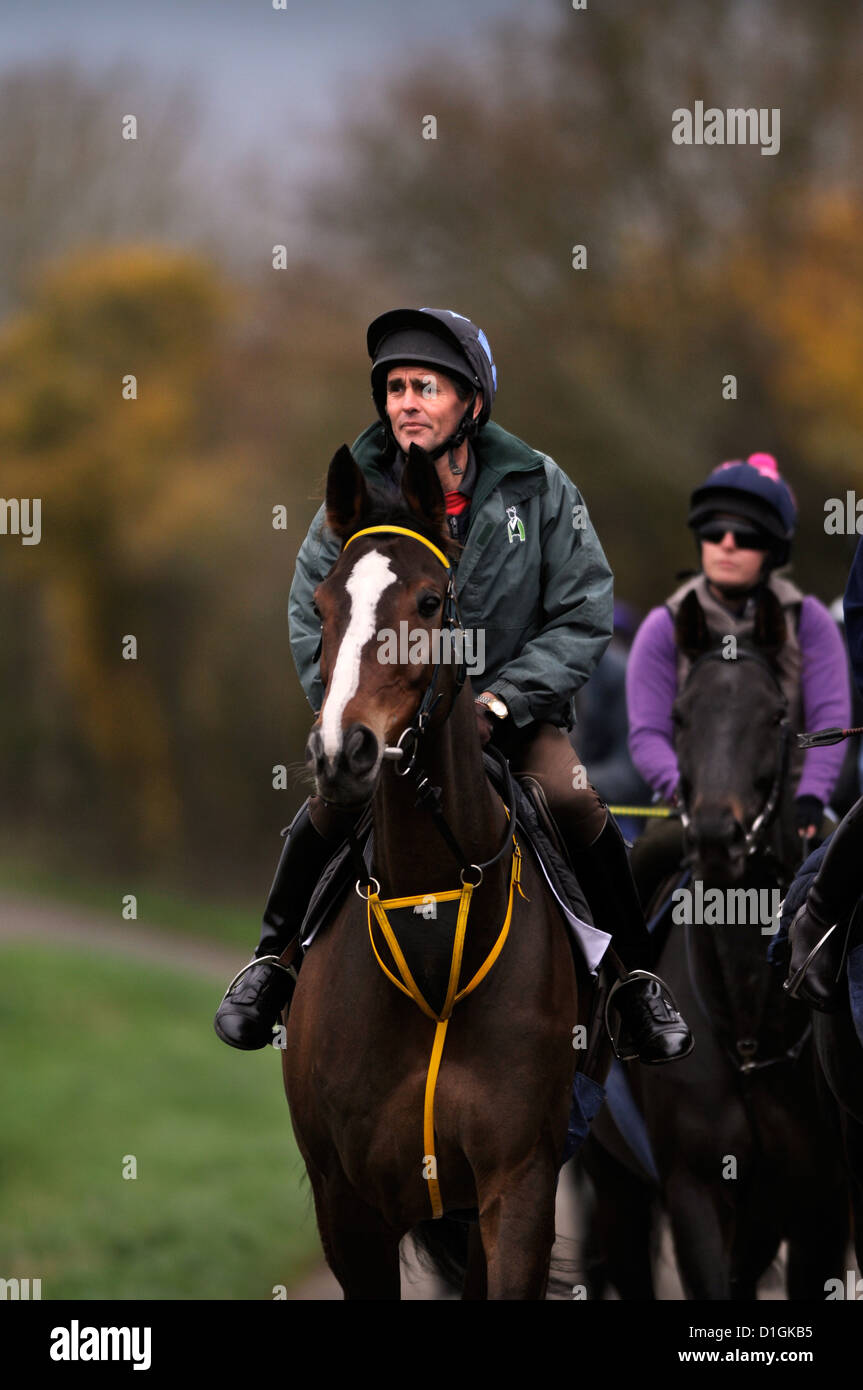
(36,920)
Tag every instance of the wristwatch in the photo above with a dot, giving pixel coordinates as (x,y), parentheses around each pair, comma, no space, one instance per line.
(493,703)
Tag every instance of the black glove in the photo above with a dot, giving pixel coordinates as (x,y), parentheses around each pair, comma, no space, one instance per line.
(808,810)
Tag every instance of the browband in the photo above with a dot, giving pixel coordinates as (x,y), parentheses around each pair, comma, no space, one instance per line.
(400,531)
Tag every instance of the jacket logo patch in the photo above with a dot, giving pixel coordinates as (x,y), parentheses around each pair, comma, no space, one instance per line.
(515,525)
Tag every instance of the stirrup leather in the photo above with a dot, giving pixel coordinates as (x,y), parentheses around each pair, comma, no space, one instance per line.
(631,1055)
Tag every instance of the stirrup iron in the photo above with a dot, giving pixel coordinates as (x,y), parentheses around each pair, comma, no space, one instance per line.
(259,960)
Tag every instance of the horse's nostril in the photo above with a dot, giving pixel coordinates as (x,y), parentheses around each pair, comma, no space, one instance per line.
(315,749)
(360,749)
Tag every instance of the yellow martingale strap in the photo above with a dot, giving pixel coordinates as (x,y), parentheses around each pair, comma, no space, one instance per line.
(514,882)
(429,1156)
(399,531)
(408,986)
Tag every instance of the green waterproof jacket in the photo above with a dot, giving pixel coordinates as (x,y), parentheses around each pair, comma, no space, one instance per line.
(540,592)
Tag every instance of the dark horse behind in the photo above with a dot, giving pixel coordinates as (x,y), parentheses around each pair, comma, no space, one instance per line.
(837,1040)
(743,1133)
(358,1051)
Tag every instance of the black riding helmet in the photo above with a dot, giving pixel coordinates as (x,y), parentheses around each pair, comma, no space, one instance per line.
(434,338)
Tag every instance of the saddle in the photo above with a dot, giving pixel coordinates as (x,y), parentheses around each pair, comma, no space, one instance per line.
(536,829)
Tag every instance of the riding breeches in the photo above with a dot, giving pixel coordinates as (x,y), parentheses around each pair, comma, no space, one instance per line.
(544,752)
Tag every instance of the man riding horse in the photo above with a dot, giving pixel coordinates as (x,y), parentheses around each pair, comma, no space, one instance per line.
(533,577)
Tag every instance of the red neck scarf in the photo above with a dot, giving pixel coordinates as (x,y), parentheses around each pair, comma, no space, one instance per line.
(455,503)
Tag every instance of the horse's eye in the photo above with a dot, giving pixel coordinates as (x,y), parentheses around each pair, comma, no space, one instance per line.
(677,719)
(427,604)
(315,609)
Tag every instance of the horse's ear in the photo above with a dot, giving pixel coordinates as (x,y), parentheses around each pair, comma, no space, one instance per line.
(421,488)
(691,632)
(769,632)
(347,494)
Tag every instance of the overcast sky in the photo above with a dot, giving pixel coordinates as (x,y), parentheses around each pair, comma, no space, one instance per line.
(263,72)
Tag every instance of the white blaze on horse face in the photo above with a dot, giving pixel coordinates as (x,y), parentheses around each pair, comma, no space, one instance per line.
(368,579)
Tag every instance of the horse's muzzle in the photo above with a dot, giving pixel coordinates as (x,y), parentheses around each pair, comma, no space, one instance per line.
(347,778)
(718,845)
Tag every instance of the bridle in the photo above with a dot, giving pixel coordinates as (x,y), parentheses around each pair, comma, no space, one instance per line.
(452,622)
(743,1055)
(754,836)
(406,749)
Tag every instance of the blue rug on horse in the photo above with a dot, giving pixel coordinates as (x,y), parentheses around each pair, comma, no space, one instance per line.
(855,988)
(629,1119)
(668,901)
(587,1097)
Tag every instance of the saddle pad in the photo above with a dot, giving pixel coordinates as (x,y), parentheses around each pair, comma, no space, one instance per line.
(855,988)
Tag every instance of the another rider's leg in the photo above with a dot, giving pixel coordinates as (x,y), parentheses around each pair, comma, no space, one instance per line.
(257,995)
(818,934)
(655,1029)
(656,856)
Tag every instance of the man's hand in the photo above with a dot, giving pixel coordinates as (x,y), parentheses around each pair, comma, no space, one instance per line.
(489,708)
(484,724)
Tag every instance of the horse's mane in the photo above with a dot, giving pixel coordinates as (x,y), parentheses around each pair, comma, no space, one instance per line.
(766,660)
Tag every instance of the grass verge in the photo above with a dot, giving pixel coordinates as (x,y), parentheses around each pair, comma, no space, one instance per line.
(106,1059)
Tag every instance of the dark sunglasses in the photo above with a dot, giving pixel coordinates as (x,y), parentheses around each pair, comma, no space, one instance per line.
(745,537)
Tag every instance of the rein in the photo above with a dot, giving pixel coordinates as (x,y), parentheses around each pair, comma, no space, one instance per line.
(742,1056)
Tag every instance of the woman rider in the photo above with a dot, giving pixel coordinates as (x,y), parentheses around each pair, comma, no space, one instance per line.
(744,517)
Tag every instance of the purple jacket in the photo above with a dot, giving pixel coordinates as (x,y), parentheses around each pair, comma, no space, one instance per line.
(651,689)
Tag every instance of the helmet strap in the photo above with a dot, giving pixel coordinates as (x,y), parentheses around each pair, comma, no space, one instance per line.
(466,429)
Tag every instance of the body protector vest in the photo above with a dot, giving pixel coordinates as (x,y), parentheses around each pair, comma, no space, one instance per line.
(722,622)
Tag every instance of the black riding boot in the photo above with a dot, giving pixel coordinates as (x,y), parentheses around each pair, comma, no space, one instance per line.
(820,930)
(257,995)
(653,1030)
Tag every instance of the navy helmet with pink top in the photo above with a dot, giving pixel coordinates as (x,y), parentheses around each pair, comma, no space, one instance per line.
(754,490)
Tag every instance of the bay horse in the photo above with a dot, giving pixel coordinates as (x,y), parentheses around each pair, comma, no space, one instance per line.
(357,1058)
(743,1135)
